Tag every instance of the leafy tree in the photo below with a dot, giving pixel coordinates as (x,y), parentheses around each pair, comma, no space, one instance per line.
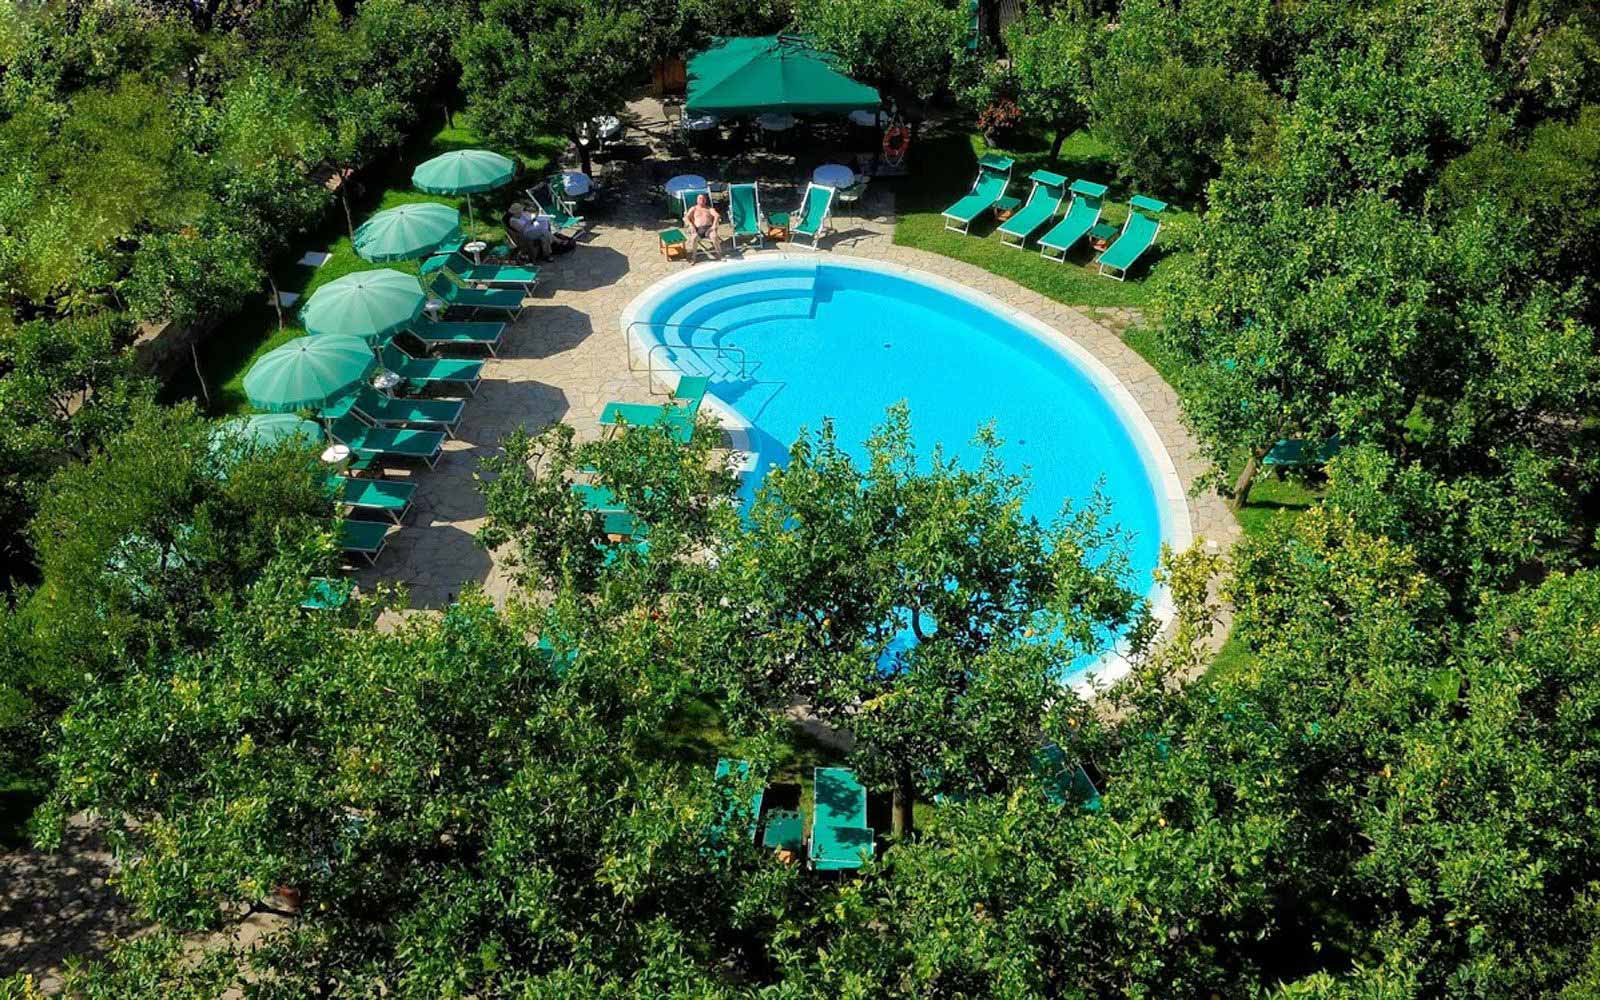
(539,68)
(912,604)
(905,48)
(1053,58)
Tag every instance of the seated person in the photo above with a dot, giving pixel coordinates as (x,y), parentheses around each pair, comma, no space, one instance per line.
(530,230)
(701,221)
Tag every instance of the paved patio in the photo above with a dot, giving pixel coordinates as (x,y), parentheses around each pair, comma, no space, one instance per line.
(565,358)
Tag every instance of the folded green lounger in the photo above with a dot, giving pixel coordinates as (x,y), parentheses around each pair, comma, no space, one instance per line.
(546,199)
(410,411)
(494,275)
(840,837)
(1298,451)
(813,214)
(388,496)
(725,771)
(364,538)
(1138,233)
(994,176)
(689,394)
(455,296)
(388,442)
(447,333)
(432,371)
(1082,214)
(1044,201)
(597,498)
(744,214)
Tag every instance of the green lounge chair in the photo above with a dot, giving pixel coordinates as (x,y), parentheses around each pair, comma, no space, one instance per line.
(622,524)
(456,296)
(597,498)
(388,442)
(389,497)
(841,840)
(1291,452)
(409,411)
(689,394)
(1044,201)
(1082,214)
(327,595)
(364,538)
(1064,781)
(994,176)
(432,371)
(1138,233)
(813,215)
(433,333)
(549,199)
(744,214)
(725,772)
(493,275)
(784,830)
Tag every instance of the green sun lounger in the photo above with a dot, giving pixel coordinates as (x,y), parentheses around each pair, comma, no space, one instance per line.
(1087,200)
(494,275)
(1138,234)
(388,442)
(432,371)
(994,176)
(1065,781)
(840,837)
(364,538)
(744,214)
(409,411)
(689,394)
(1044,201)
(597,498)
(726,771)
(622,524)
(813,215)
(456,296)
(1292,452)
(433,333)
(549,202)
(324,594)
(389,497)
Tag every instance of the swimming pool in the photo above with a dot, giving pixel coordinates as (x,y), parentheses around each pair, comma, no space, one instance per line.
(789,341)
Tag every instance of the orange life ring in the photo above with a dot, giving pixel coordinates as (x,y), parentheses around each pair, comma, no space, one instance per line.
(895,142)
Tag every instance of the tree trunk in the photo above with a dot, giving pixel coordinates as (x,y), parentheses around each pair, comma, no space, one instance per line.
(1509,10)
(1055,146)
(277,303)
(904,797)
(344,200)
(1241,486)
(583,156)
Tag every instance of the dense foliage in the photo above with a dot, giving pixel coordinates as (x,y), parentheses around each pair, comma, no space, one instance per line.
(1390,793)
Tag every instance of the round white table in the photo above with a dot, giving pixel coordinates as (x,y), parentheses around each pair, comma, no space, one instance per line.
(433,307)
(869,119)
(476,248)
(834,175)
(576,183)
(608,127)
(684,182)
(701,123)
(385,380)
(776,121)
(336,454)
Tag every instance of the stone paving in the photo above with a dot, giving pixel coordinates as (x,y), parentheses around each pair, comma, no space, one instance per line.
(565,358)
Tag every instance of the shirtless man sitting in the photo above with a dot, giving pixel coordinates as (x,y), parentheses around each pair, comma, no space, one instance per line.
(701,220)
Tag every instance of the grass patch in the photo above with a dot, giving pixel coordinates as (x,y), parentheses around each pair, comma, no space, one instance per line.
(253,331)
(946,163)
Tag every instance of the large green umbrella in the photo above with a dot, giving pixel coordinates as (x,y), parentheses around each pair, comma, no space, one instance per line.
(367,304)
(231,438)
(308,372)
(407,231)
(464,171)
(746,76)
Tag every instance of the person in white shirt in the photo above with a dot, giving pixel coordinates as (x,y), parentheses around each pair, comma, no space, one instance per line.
(532,229)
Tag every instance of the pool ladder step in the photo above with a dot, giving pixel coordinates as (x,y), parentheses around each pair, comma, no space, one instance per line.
(710,307)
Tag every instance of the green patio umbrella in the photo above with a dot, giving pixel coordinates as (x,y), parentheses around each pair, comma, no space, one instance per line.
(231,438)
(464,171)
(368,304)
(308,372)
(773,73)
(406,231)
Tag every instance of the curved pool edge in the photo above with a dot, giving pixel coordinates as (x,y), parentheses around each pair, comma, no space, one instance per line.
(1172,502)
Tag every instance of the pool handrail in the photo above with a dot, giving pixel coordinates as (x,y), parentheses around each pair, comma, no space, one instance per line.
(649,358)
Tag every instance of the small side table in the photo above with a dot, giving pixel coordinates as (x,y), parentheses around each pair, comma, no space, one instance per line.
(476,248)
(673,245)
(777,225)
(336,456)
(1006,207)
(1101,235)
(386,381)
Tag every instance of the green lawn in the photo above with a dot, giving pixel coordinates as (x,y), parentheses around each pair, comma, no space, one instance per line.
(946,163)
(250,333)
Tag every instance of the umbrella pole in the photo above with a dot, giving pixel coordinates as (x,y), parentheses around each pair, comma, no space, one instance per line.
(472,223)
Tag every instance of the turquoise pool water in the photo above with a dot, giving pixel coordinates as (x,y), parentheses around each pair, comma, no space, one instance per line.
(821,339)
